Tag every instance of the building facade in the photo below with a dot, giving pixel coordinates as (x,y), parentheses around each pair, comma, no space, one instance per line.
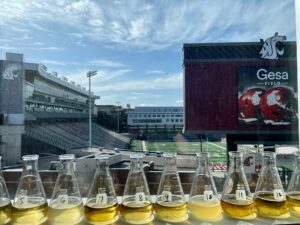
(155,118)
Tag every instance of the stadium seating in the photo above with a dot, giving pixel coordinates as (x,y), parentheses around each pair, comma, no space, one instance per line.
(66,135)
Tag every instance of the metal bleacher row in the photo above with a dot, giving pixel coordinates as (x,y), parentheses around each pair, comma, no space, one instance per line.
(66,135)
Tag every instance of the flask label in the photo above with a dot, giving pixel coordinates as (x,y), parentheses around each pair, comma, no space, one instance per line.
(140,197)
(240,195)
(62,200)
(101,199)
(208,196)
(23,200)
(278,194)
(166,196)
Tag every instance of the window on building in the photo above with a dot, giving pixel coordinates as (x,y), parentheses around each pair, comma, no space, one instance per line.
(172,120)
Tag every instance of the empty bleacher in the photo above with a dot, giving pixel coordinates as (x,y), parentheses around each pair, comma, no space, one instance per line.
(66,135)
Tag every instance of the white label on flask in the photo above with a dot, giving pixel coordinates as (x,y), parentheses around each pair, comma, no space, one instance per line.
(240,195)
(101,199)
(208,196)
(23,200)
(166,196)
(140,197)
(278,194)
(62,200)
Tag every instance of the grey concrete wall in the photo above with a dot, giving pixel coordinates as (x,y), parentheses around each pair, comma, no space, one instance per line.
(11,143)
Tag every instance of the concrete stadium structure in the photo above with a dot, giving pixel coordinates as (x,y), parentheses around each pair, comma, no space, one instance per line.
(32,100)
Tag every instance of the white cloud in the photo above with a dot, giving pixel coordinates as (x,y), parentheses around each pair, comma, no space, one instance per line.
(144,25)
(172,81)
(155,72)
(106,63)
(179,101)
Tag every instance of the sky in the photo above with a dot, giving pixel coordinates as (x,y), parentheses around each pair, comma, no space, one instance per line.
(135,45)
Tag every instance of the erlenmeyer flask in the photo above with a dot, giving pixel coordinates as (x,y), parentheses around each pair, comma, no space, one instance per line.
(102,206)
(66,205)
(5,205)
(236,200)
(204,203)
(30,203)
(136,207)
(293,191)
(170,203)
(269,197)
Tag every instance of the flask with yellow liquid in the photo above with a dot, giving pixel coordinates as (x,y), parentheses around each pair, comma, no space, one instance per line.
(136,207)
(5,205)
(236,199)
(204,203)
(30,203)
(66,205)
(170,205)
(293,191)
(101,207)
(270,198)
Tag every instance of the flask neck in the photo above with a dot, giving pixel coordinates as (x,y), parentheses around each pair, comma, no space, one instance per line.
(236,161)
(102,166)
(135,165)
(67,167)
(30,167)
(170,164)
(269,160)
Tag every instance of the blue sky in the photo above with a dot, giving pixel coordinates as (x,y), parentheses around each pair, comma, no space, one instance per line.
(136,44)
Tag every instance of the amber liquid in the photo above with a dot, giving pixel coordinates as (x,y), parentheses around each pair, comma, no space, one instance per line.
(5,211)
(70,214)
(100,214)
(238,209)
(204,210)
(267,206)
(174,211)
(293,200)
(136,213)
(29,214)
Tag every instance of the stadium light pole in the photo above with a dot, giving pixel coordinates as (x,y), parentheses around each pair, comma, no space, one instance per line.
(118,110)
(89,75)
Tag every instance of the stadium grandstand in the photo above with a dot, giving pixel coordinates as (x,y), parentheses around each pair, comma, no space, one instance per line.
(45,112)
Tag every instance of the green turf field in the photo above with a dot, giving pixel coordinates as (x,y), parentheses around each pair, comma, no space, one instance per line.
(217,150)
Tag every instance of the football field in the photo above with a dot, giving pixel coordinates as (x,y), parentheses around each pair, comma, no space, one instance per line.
(217,150)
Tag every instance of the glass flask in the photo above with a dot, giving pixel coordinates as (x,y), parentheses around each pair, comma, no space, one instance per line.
(30,203)
(293,191)
(66,204)
(102,206)
(270,199)
(5,204)
(170,204)
(204,203)
(136,207)
(236,199)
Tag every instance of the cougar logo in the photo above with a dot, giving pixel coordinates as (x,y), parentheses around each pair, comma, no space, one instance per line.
(12,71)
(269,49)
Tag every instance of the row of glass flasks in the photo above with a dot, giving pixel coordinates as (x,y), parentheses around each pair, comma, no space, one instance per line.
(66,206)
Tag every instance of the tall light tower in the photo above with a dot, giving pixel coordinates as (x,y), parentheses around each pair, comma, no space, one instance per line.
(89,75)
(118,110)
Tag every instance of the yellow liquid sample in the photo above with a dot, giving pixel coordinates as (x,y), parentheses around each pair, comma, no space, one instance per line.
(5,211)
(174,211)
(136,213)
(29,214)
(238,209)
(267,206)
(101,214)
(70,214)
(293,200)
(203,210)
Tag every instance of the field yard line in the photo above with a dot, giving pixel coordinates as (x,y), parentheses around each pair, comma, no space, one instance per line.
(216,145)
(144,147)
